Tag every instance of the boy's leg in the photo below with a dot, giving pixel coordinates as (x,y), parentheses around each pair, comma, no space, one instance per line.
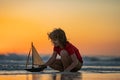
(65,58)
(57,65)
(78,67)
(66,61)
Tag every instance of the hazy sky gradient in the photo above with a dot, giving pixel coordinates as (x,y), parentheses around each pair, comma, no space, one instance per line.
(91,25)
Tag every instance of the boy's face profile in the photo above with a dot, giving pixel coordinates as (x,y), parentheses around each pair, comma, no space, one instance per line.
(55,42)
(58,37)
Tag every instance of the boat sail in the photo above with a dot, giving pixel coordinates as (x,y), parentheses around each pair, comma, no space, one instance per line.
(36,60)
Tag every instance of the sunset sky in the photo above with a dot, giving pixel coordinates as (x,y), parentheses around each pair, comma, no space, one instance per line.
(93,26)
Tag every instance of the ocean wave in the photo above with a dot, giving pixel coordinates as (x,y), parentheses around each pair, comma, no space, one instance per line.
(104,58)
(17,57)
(97,64)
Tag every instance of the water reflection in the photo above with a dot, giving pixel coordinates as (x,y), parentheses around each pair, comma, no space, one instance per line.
(60,76)
(56,76)
(35,77)
(72,76)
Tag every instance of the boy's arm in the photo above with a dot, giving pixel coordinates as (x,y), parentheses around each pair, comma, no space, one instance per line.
(52,59)
(73,64)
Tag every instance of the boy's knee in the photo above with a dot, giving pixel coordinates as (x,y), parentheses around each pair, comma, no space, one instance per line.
(63,53)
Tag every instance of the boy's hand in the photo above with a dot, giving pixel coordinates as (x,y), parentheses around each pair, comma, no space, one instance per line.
(43,66)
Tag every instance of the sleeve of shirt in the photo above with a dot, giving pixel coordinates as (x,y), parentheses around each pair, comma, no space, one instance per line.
(71,50)
(54,49)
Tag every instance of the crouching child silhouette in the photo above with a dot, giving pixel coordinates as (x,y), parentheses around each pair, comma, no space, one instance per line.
(71,60)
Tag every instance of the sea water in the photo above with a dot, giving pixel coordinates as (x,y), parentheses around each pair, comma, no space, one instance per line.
(104,64)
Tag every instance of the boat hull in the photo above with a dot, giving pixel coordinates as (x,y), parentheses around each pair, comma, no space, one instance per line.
(35,69)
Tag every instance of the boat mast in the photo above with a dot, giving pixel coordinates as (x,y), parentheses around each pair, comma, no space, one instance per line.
(28,57)
(32,56)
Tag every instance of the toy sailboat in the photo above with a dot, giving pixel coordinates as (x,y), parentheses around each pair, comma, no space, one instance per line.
(37,62)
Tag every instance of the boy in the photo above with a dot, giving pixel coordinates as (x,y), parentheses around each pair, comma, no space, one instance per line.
(71,60)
